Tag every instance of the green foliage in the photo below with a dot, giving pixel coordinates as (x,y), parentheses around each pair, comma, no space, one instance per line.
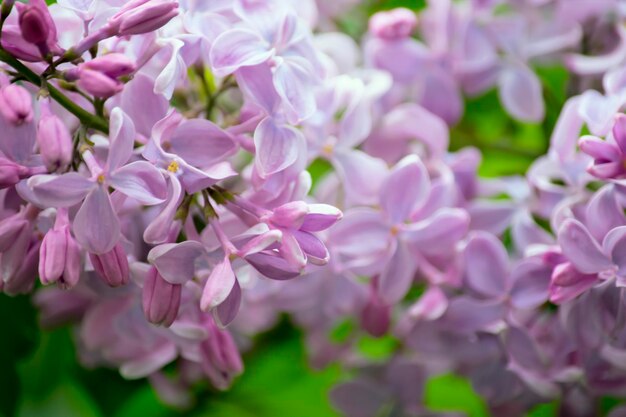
(277,381)
(454,393)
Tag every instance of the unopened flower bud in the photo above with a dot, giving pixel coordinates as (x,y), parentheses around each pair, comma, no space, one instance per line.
(55,142)
(376,316)
(33,25)
(10,173)
(290,215)
(143,16)
(112,65)
(16,104)
(20,278)
(98,84)
(10,228)
(221,360)
(394,24)
(59,255)
(160,299)
(37,26)
(112,266)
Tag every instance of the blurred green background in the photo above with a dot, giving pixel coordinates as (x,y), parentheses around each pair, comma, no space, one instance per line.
(40,375)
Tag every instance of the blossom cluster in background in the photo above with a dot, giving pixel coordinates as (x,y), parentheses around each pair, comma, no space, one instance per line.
(177,175)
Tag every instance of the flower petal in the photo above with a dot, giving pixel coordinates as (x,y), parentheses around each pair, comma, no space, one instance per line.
(604,212)
(294,83)
(520,93)
(96,225)
(218,286)
(405,189)
(277,146)
(397,276)
(176,261)
(122,138)
(226,312)
(361,175)
(159,228)
(238,48)
(581,249)
(486,263)
(439,233)
(201,143)
(140,180)
(615,245)
(60,190)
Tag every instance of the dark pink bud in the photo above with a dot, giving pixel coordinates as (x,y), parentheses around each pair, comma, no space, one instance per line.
(393,24)
(142,16)
(55,142)
(33,25)
(36,25)
(16,104)
(59,255)
(112,266)
(376,316)
(160,299)
(113,65)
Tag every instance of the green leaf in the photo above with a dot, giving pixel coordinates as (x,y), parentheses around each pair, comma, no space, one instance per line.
(144,402)
(19,338)
(277,382)
(454,393)
(68,400)
(545,410)
(377,348)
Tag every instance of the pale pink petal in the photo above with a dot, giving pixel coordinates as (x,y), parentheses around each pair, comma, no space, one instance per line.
(60,190)
(140,180)
(122,137)
(96,225)
(176,261)
(218,286)
(238,48)
(405,189)
(276,146)
(520,93)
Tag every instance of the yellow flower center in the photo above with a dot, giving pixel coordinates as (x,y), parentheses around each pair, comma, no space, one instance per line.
(100,179)
(327,149)
(173,167)
(395,230)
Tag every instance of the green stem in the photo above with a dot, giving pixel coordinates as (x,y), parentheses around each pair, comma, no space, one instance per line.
(84,116)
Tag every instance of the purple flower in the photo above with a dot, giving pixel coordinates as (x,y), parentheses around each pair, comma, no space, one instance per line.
(96,224)
(160,300)
(59,254)
(142,16)
(609,157)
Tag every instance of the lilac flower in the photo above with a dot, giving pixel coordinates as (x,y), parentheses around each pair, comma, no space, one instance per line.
(390,242)
(96,225)
(191,150)
(281,44)
(59,254)
(608,155)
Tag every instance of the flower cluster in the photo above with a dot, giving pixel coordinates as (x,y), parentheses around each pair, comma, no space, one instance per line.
(155,161)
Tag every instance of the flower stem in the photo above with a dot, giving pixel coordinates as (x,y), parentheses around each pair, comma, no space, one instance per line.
(84,116)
